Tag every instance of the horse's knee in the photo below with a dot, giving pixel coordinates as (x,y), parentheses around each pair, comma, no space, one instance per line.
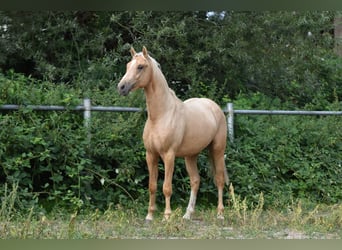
(152,187)
(194,182)
(167,190)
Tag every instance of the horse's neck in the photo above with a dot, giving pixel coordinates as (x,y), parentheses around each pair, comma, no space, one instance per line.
(159,98)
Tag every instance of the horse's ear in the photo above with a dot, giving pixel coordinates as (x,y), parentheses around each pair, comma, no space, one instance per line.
(133,53)
(144,50)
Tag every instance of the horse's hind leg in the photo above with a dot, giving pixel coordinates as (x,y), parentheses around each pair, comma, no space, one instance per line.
(191,167)
(221,179)
(217,149)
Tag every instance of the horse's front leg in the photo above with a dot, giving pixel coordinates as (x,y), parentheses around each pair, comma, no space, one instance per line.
(152,163)
(169,161)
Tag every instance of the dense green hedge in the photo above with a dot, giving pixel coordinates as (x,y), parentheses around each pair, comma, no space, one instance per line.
(49,153)
(287,157)
(50,157)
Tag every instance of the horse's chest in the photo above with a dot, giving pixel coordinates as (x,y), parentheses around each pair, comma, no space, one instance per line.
(159,138)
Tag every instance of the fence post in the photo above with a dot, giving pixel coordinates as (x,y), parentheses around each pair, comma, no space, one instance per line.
(87,116)
(230,121)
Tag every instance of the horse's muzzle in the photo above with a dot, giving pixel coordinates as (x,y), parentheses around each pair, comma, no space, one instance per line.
(124,88)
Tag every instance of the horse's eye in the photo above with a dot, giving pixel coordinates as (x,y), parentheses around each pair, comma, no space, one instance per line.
(140,67)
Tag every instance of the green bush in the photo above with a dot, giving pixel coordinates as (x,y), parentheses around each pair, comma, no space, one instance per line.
(52,157)
(286,157)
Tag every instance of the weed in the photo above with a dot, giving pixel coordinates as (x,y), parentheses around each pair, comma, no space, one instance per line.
(246,216)
(26,227)
(7,202)
(71,225)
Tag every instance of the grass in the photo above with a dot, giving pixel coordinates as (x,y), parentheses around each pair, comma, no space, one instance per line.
(299,220)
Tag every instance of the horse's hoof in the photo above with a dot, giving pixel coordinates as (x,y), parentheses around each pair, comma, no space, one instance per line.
(186,216)
(149,218)
(148,222)
(220,217)
(166,217)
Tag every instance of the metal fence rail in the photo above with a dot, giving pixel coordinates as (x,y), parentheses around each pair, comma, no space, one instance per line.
(86,108)
(286,112)
(63,108)
(231,112)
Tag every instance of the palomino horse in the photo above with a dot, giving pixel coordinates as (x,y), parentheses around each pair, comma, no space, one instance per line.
(176,129)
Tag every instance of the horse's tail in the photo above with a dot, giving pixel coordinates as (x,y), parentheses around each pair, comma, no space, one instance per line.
(213,169)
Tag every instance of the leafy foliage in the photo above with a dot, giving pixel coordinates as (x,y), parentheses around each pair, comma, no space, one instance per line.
(50,156)
(286,157)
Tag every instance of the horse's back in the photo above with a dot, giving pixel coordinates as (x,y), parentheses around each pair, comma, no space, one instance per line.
(204,108)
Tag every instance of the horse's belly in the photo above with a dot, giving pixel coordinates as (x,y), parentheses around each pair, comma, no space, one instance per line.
(188,149)
(195,140)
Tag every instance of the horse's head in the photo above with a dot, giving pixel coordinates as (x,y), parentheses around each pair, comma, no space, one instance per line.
(138,72)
